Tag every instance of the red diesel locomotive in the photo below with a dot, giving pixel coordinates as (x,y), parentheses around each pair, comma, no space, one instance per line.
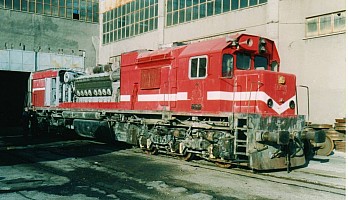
(223,100)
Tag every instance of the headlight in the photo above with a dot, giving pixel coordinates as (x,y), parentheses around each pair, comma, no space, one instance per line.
(292,104)
(270,103)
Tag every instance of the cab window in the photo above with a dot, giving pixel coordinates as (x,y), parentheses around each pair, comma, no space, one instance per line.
(198,67)
(274,66)
(243,61)
(260,63)
(227,65)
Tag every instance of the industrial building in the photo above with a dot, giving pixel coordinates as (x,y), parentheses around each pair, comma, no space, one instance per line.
(310,36)
(40,34)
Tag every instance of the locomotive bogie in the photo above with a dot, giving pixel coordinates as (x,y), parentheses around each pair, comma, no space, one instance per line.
(126,132)
(91,128)
(253,140)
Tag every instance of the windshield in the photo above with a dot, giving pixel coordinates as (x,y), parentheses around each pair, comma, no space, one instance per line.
(243,61)
(260,63)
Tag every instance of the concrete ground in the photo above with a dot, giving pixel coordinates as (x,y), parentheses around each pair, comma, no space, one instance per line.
(61,167)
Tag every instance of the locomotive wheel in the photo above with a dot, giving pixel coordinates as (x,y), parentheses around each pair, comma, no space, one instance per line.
(223,165)
(152,151)
(188,156)
(326,147)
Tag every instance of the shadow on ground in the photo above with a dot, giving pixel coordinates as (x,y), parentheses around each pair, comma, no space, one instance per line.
(12,142)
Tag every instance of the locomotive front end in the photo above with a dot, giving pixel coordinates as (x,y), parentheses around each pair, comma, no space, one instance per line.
(278,137)
(268,130)
(279,142)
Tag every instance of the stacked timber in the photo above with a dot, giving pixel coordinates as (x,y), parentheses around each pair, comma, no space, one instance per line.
(320,126)
(340,125)
(340,142)
(338,138)
(340,146)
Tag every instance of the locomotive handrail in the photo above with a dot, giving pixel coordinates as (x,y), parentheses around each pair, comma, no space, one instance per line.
(259,84)
(307,88)
(234,94)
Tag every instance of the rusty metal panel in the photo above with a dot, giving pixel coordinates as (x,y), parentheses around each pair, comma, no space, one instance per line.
(4,60)
(52,60)
(150,78)
(17,60)
(28,61)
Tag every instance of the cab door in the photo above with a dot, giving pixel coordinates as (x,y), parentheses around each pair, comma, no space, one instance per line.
(51,92)
(228,85)
(173,86)
(198,76)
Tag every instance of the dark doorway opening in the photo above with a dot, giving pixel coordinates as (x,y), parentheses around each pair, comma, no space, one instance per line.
(13,98)
(76,14)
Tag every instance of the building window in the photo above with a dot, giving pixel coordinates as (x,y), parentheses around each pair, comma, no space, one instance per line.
(198,67)
(181,11)
(339,22)
(82,10)
(8,4)
(326,24)
(127,20)
(24,4)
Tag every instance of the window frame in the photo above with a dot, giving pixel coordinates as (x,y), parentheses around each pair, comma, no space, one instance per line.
(274,66)
(222,65)
(198,66)
(200,9)
(244,53)
(132,19)
(265,58)
(61,8)
(319,32)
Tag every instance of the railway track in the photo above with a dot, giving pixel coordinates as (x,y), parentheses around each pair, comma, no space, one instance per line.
(302,183)
(286,179)
(297,178)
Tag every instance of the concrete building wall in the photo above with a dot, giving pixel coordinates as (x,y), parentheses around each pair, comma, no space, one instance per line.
(226,23)
(318,62)
(236,21)
(39,33)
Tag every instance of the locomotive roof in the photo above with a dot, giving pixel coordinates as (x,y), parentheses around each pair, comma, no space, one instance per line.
(197,48)
(161,53)
(203,47)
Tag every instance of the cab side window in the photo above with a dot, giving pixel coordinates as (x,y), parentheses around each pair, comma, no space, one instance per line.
(274,66)
(227,65)
(243,61)
(198,67)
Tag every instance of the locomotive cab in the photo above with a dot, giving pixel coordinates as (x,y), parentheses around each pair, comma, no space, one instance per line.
(257,61)
(249,82)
